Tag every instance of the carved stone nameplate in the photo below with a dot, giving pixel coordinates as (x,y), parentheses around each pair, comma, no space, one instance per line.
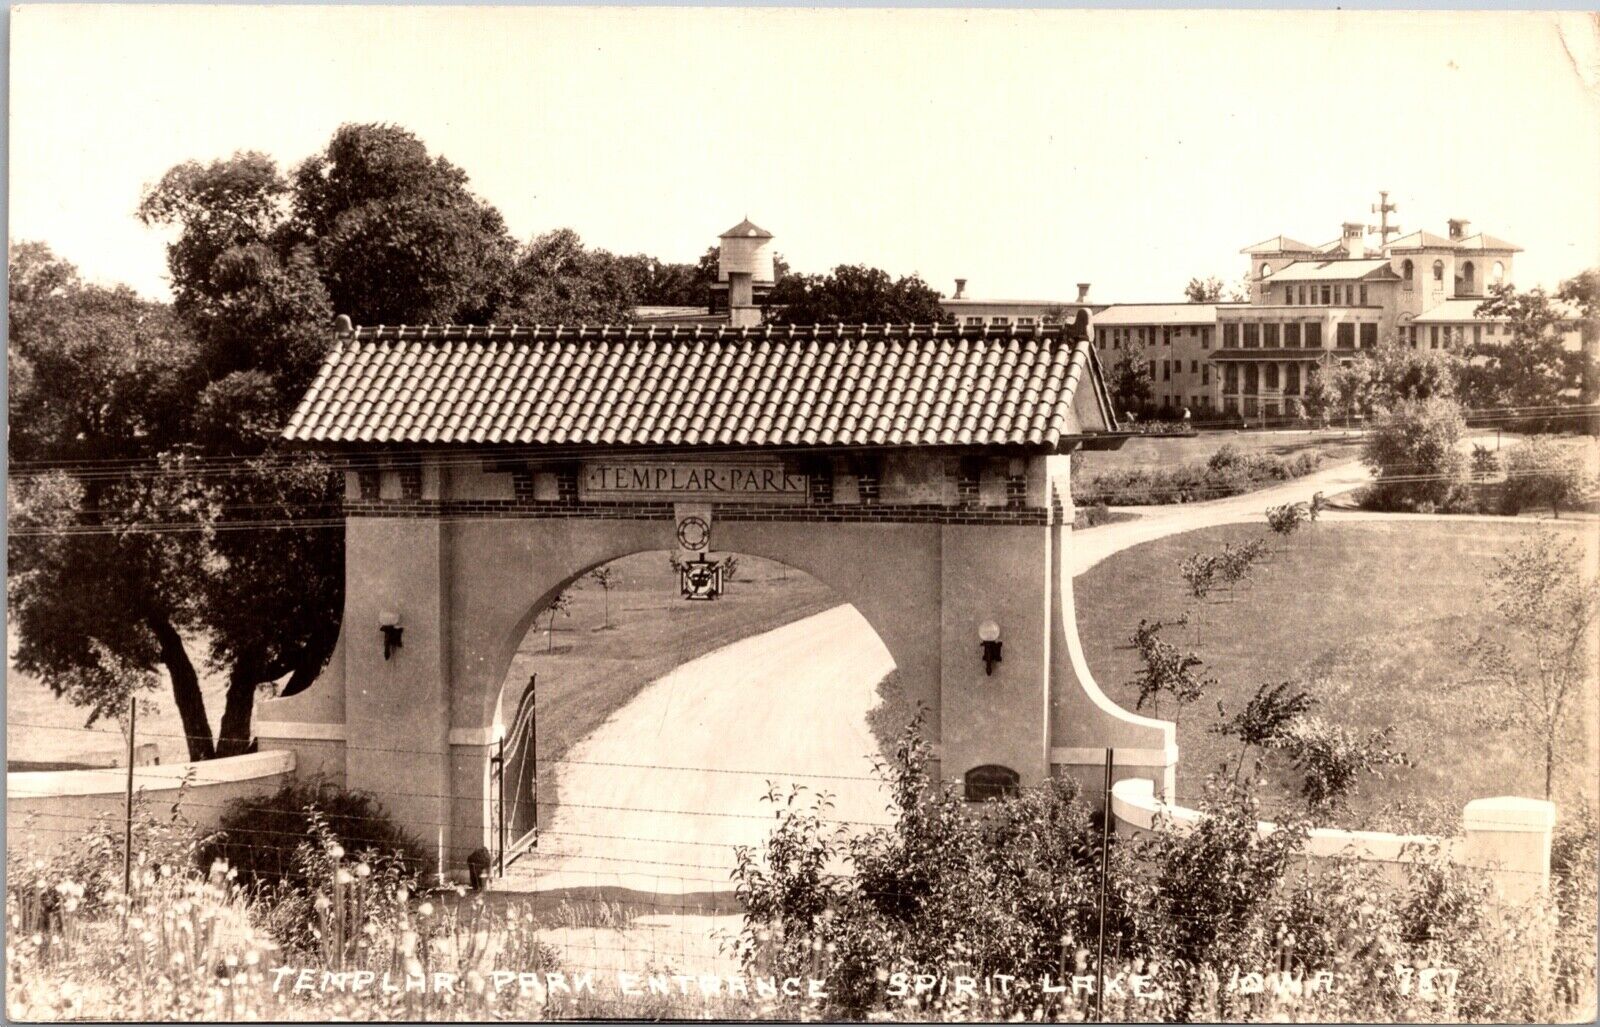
(707,481)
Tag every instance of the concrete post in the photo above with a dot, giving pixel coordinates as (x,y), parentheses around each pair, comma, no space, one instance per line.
(1510,837)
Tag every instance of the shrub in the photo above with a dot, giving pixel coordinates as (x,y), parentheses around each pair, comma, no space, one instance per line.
(1485,462)
(1541,472)
(265,837)
(1228,472)
(1285,519)
(1413,455)
(1331,758)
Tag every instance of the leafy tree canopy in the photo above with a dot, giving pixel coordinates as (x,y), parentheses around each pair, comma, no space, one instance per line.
(854,294)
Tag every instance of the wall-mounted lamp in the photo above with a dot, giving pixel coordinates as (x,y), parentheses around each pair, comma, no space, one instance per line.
(989,636)
(389,624)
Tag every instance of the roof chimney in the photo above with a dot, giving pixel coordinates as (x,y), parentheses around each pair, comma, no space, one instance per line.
(1354,239)
(1083,292)
(1458,228)
(961,287)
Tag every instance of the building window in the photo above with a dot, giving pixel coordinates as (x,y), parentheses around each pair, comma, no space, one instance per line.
(1288,295)
(1194,367)
(1338,295)
(1406,272)
(1438,270)
(1433,336)
(1477,334)
(1266,269)
(1345,335)
(1252,335)
(1363,295)
(1369,334)
(1271,334)
(1291,335)
(1230,378)
(1467,285)
(1205,374)
(991,781)
(1291,380)
(1166,336)
(973,322)
(1499,272)
(1327,296)
(1272,376)
(1166,370)
(1314,335)
(1001,321)
(1302,295)
(1252,379)
(1230,335)
(1205,338)
(1230,405)
(1024,321)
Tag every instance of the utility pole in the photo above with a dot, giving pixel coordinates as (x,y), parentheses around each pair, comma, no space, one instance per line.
(1100,946)
(127,826)
(1383,208)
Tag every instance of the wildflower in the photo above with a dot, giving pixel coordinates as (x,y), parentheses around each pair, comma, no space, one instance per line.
(322,903)
(336,851)
(362,870)
(426,909)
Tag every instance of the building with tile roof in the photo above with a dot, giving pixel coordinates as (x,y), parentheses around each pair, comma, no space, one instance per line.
(921,473)
(1307,306)
(815,386)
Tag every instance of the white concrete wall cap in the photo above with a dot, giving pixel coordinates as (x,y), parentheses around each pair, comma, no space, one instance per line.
(42,784)
(1508,813)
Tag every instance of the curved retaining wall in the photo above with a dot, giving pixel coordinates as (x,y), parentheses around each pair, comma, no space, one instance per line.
(51,808)
(1507,836)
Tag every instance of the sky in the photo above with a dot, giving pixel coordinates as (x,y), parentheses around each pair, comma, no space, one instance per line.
(1025,151)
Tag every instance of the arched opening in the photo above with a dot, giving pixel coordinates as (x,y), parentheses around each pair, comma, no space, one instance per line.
(1468,284)
(1266,270)
(1499,271)
(659,723)
(1407,272)
(990,781)
(1438,270)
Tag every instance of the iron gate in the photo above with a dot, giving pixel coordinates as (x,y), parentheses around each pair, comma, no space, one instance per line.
(514,782)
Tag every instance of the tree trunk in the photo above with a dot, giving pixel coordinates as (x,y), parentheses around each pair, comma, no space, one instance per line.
(234,737)
(185,689)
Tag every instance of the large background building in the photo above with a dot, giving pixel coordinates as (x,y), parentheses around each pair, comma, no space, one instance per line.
(1306,305)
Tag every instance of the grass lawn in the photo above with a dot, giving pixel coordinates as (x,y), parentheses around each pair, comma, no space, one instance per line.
(1367,615)
(1335,445)
(587,672)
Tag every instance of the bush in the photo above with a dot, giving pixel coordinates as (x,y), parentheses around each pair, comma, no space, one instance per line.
(259,834)
(1413,455)
(1541,472)
(1227,472)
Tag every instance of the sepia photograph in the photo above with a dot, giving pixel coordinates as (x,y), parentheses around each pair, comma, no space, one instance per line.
(828,514)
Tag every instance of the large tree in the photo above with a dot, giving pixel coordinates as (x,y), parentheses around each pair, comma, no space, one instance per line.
(557,280)
(1534,368)
(853,294)
(398,237)
(105,559)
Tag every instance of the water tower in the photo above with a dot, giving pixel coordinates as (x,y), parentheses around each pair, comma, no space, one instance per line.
(744,272)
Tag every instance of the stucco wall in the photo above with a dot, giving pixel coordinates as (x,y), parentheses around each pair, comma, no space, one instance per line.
(952,544)
(1506,836)
(47,810)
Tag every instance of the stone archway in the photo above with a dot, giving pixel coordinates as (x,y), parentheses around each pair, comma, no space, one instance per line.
(920,472)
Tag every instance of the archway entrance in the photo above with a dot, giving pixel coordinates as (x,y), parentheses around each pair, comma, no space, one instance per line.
(663,723)
(919,472)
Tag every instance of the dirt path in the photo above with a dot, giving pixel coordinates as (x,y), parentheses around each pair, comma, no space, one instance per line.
(654,801)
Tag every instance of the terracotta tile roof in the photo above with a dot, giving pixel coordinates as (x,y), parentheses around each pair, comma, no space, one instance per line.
(1279,244)
(828,385)
(1334,270)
